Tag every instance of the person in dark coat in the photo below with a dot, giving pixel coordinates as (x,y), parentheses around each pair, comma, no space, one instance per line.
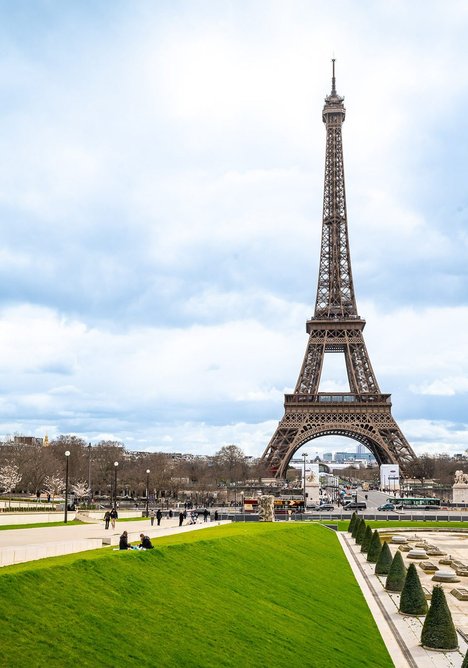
(145,542)
(216,515)
(107,519)
(170,514)
(181,518)
(158,516)
(113,516)
(123,542)
(205,515)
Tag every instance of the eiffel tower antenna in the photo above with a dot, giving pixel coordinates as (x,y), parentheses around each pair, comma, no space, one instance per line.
(363,413)
(333,90)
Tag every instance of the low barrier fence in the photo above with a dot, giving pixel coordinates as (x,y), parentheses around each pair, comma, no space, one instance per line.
(307,517)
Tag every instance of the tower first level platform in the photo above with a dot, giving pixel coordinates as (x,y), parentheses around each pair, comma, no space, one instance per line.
(364,417)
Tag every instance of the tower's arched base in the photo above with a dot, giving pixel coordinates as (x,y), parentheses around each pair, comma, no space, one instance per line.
(365,418)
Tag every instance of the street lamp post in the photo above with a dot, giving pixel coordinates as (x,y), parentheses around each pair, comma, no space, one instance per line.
(116,464)
(147,492)
(90,494)
(304,454)
(65,517)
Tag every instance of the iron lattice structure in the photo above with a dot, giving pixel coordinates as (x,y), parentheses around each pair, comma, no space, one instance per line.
(363,413)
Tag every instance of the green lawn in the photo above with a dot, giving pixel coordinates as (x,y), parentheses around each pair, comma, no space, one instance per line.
(37,525)
(244,595)
(383,524)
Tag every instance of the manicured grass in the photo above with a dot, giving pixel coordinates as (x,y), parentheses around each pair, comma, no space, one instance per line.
(244,595)
(383,524)
(38,525)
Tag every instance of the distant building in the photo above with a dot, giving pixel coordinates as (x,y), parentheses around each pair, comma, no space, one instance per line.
(27,440)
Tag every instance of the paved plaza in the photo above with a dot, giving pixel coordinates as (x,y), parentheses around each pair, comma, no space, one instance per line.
(402,633)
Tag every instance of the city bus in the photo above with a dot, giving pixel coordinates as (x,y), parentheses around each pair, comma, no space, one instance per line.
(428,503)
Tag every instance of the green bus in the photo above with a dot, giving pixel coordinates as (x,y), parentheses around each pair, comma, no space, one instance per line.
(420,503)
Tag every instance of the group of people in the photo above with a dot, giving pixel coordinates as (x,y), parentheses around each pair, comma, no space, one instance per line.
(145,543)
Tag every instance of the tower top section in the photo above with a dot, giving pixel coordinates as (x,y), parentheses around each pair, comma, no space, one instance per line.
(335,291)
(334,111)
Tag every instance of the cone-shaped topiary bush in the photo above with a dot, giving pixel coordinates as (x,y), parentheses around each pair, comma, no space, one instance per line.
(352,522)
(384,561)
(396,574)
(439,631)
(356,526)
(375,548)
(465,661)
(360,532)
(413,601)
(366,541)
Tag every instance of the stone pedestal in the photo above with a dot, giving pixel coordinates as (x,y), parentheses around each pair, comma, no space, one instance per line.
(313,493)
(266,508)
(460,492)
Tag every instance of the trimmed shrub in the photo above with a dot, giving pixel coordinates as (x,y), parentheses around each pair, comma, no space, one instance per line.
(413,601)
(366,541)
(352,522)
(360,532)
(375,548)
(396,574)
(382,567)
(356,526)
(439,631)
(465,661)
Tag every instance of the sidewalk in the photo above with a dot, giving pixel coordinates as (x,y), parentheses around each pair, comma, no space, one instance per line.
(400,633)
(21,545)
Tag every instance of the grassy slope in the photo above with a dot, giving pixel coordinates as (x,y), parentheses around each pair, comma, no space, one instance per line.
(237,595)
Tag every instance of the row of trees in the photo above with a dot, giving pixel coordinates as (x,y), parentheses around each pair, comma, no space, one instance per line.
(425,467)
(32,468)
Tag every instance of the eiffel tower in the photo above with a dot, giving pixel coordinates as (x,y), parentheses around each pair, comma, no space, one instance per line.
(363,413)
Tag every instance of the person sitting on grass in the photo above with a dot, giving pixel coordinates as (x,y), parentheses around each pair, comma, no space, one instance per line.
(123,542)
(145,543)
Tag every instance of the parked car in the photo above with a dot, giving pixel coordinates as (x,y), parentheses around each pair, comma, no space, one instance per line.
(387,506)
(355,505)
(325,507)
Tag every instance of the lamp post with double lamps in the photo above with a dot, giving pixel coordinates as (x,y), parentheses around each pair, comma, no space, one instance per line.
(90,493)
(65,517)
(116,464)
(147,492)
(304,454)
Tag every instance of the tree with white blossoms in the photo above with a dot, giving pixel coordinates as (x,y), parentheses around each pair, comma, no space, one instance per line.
(9,478)
(53,485)
(80,489)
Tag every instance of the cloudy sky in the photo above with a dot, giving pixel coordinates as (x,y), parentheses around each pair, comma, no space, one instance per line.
(161,180)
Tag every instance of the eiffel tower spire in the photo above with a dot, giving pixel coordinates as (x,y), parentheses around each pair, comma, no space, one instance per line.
(363,413)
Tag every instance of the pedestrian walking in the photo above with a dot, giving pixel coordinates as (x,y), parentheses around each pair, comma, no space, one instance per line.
(158,516)
(181,518)
(113,516)
(152,517)
(107,518)
(216,515)
(170,514)
(205,515)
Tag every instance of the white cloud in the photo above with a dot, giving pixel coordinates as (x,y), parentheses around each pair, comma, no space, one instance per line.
(161,193)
